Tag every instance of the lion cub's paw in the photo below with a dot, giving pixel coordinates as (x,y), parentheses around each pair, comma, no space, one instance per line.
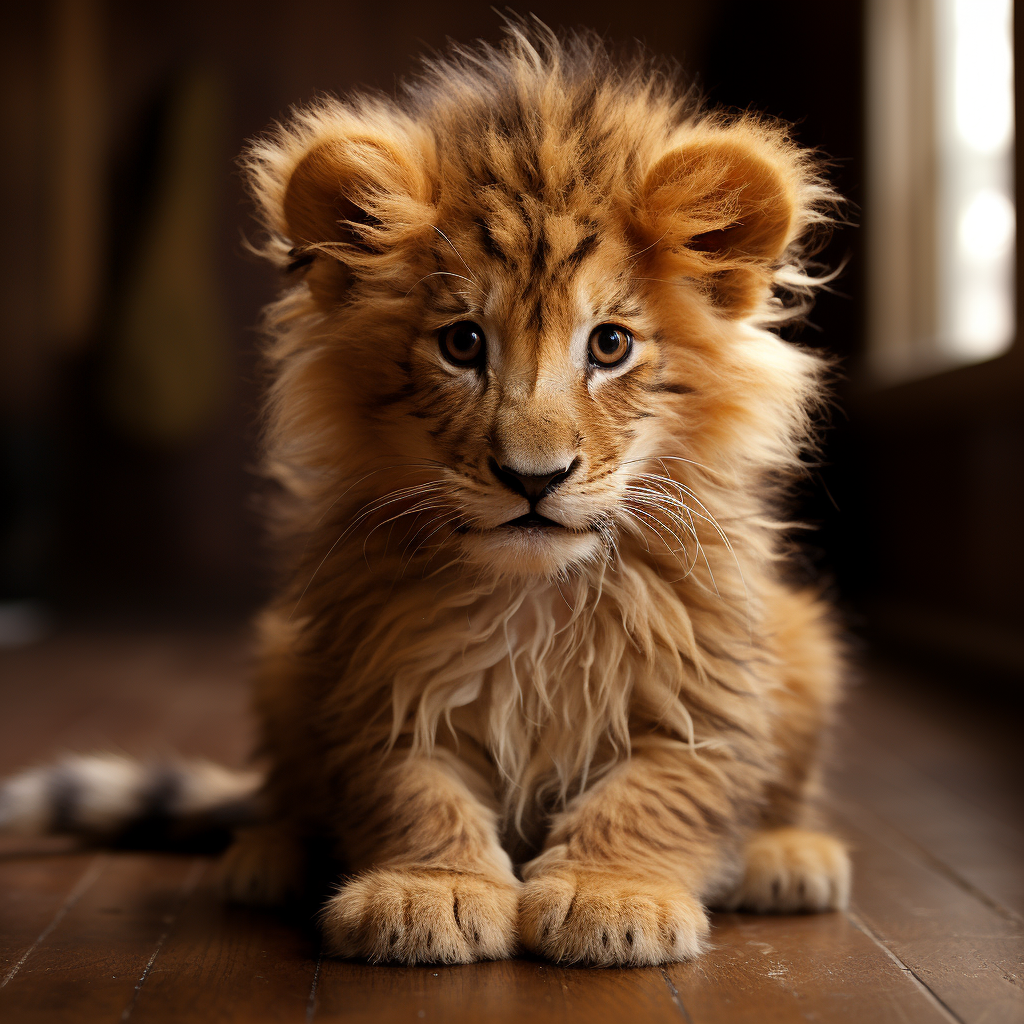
(422,915)
(790,869)
(575,915)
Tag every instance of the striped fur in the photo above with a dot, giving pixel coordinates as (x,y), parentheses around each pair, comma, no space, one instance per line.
(572,738)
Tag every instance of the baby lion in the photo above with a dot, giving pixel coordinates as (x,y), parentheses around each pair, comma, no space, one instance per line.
(535,676)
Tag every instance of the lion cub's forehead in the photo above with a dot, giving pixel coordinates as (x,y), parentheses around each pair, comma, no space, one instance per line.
(563,136)
(539,171)
(537,272)
(541,258)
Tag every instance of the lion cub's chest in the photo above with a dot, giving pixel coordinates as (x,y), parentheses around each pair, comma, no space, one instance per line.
(520,655)
(538,681)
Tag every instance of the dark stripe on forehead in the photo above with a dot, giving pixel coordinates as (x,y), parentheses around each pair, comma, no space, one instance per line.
(583,249)
(537,317)
(540,254)
(490,244)
(524,214)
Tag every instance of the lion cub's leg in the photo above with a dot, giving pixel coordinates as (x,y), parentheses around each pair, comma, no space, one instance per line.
(433,884)
(265,865)
(788,865)
(792,869)
(628,862)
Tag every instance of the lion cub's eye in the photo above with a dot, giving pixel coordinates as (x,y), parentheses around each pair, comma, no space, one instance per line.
(609,344)
(462,344)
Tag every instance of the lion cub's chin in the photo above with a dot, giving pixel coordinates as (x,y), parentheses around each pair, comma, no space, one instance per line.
(530,551)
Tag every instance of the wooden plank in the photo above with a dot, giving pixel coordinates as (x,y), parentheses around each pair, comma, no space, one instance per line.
(509,992)
(938,884)
(86,968)
(143,694)
(226,963)
(962,838)
(36,894)
(765,969)
(968,953)
(967,745)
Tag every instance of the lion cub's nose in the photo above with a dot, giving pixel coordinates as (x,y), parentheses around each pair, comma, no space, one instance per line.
(532,486)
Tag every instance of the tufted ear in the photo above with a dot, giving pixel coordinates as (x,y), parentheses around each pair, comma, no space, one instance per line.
(353,201)
(724,205)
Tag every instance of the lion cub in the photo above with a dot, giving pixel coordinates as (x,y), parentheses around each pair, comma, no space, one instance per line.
(535,675)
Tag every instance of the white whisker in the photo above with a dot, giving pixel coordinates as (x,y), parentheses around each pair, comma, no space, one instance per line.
(457,253)
(651,517)
(705,514)
(442,273)
(375,505)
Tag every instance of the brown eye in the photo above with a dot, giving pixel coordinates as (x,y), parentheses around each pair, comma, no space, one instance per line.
(463,343)
(609,345)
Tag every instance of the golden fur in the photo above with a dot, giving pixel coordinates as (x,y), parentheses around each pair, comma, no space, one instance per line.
(628,708)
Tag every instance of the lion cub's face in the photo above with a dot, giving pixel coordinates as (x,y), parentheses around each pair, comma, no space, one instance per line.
(523,318)
(535,376)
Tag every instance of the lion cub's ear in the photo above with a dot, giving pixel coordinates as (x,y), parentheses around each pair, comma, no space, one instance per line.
(353,203)
(725,205)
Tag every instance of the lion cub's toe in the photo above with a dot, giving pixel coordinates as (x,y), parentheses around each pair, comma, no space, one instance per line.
(422,915)
(790,869)
(574,915)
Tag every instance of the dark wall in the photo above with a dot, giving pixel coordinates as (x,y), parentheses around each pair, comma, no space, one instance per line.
(803,62)
(104,510)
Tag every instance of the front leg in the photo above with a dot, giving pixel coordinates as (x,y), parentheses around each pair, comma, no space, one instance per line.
(432,883)
(627,864)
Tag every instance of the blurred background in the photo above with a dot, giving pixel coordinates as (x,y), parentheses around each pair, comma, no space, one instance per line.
(129,383)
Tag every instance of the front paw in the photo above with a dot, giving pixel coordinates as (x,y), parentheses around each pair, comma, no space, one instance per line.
(605,918)
(422,915)
(790,870)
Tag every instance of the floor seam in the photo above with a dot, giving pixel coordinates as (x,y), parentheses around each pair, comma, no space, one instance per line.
(936,863)
(91,873)
(674,992)
(187,888)
(860,924)
(311,1002)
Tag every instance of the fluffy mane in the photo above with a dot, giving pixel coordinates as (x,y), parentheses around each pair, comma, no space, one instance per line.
(535,677)
(520,157)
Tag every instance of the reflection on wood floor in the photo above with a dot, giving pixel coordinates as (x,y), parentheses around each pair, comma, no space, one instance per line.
(925,789)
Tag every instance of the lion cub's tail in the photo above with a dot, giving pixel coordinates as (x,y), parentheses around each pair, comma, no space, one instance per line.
(115,800)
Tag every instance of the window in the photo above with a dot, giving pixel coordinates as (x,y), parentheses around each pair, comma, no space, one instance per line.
(940,210)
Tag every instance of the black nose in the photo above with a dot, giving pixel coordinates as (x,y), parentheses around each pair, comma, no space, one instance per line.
(532,486)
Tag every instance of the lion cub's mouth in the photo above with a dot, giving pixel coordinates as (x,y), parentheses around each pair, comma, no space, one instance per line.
(533,521)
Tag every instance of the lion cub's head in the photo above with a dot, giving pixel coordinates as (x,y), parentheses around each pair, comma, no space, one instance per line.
(528,288)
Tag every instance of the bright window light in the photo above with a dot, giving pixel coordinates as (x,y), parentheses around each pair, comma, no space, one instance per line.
(977,218)
(987,227)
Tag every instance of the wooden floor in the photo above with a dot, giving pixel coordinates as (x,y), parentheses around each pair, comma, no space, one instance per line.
(926,791)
